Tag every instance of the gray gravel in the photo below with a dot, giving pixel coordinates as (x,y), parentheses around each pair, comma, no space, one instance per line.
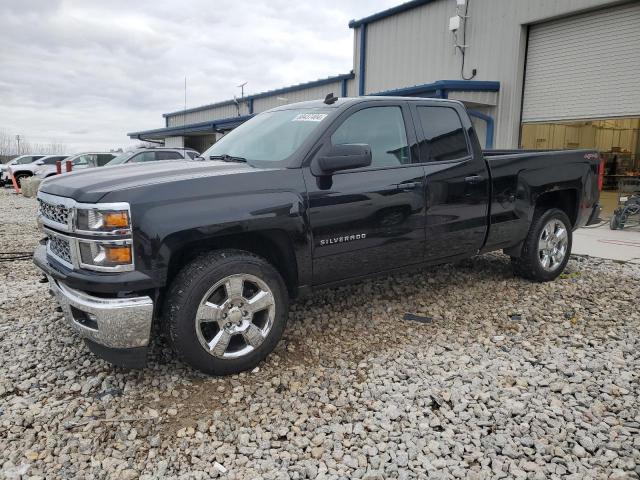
(510,380)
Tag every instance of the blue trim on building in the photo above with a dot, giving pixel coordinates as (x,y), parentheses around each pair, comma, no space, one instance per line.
(442,86)
(213,126)
(437,89)
(488,143)
(343,88)
(389,12)
(362,74)
(268,93)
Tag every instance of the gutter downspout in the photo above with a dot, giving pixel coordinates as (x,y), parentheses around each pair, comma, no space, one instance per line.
(363,56)
(490,126)
(343,87)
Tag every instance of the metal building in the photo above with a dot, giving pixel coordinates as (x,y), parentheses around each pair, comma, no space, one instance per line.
(537,73)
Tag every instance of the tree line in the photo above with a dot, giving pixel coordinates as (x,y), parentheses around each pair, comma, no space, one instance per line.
(11,147)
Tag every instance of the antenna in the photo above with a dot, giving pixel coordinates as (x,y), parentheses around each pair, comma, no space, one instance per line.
(330,99)
(241,87)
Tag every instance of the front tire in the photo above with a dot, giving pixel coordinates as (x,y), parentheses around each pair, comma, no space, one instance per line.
(226,311)
(547,248)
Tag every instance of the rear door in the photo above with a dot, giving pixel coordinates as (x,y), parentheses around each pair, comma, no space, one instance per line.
(369,219)
(457,183)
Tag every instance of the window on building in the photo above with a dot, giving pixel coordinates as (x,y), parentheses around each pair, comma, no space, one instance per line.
(617,140)
(382,128)
(444,137)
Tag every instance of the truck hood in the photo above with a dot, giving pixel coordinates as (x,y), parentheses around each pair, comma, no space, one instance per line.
(91,185)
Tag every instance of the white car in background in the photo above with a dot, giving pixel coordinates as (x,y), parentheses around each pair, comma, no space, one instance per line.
(22,171)
(78,161)
(21,160)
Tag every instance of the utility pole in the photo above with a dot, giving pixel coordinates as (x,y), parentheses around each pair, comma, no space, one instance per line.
(18,140)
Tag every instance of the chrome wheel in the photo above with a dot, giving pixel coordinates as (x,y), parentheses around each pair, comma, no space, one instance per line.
(235,316)
(552,245)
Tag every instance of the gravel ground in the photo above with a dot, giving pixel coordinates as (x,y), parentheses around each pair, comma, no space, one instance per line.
(510,379)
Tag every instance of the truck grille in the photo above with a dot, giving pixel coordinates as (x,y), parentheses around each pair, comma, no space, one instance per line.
(61,248)
(55,213)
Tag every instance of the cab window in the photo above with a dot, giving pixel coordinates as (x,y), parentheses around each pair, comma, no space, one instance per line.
(382,128)
(167,155)
(104,158)
(443,134)
(143,157)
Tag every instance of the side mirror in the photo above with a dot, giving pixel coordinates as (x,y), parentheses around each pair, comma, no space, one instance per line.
(38,162)
(342,157)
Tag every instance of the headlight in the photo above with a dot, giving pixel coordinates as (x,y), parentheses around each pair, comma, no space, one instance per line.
(106,256)
(113,221)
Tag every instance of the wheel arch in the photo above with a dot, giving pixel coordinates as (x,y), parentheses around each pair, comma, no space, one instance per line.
(565,200)
(275,246)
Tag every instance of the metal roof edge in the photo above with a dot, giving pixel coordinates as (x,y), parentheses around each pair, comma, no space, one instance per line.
(389,12)
(451,85)
(200,126)
(299,86)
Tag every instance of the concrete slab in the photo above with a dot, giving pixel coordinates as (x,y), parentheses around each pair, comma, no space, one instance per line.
(622,245)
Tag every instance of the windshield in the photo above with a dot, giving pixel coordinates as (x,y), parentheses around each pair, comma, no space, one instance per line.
(122,158)
(270,136)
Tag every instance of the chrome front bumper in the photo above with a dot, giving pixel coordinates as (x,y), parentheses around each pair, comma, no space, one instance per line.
(110,322)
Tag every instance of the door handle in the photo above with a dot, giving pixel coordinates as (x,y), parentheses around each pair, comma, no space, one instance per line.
(474,179)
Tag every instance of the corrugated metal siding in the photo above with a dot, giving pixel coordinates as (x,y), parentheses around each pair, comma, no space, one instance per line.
(586,66)
(416,47)
(174,142)
(214,113)
(480,98)
(313,93)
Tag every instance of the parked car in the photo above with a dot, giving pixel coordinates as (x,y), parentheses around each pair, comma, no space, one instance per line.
(22,171)
(300,197)
(153,154)
(21,160)
(78,161)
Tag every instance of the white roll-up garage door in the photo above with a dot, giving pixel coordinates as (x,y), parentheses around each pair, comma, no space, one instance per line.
(584,66)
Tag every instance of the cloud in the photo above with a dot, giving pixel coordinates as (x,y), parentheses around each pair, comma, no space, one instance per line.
(84,73)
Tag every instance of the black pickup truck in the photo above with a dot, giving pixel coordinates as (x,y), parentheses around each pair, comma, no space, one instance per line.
(303,196)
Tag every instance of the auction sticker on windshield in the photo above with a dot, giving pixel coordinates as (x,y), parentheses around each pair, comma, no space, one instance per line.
(309,117)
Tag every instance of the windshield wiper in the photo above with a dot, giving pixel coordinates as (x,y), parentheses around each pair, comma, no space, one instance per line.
(228,158)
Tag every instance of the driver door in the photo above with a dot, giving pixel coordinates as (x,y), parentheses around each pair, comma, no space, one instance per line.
(371,219)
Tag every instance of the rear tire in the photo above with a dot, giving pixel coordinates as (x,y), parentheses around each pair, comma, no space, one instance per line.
(226,311)
(547,248)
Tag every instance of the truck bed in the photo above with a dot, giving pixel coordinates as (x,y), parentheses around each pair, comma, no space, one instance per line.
(520,177)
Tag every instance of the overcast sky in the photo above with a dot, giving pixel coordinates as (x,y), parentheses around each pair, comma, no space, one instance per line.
(84,73)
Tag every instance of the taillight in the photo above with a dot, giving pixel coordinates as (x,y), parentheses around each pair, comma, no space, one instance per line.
(601,174)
